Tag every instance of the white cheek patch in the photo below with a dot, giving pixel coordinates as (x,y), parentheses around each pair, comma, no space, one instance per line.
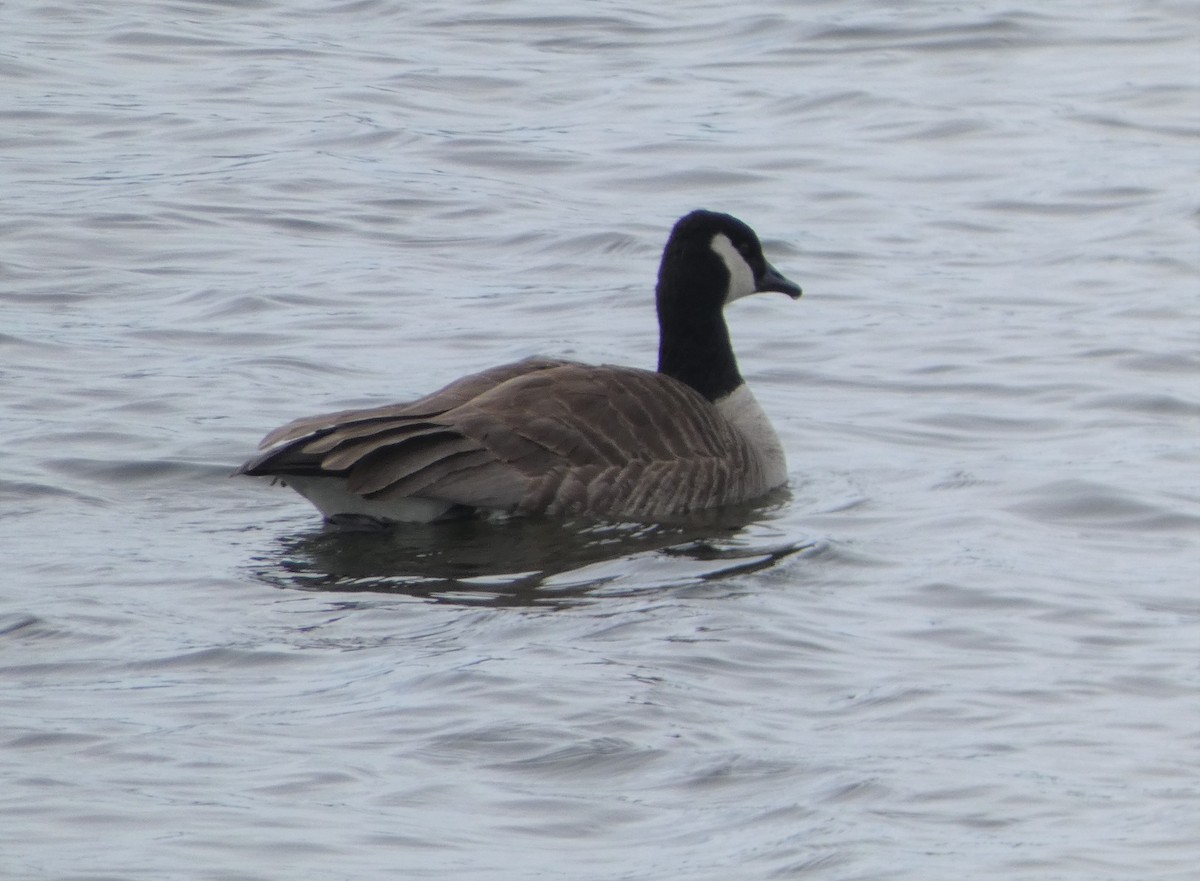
(741,276)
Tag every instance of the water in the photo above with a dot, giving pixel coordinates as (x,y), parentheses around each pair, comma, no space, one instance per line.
(962,645)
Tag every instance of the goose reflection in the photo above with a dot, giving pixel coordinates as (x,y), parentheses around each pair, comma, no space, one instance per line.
(531,561)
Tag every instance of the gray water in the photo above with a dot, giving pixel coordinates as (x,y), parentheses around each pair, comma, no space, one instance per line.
(965,644)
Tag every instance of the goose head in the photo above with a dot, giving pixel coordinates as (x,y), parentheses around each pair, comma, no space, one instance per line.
(711,259)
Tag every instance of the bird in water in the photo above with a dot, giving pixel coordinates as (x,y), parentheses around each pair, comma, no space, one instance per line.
(561,438)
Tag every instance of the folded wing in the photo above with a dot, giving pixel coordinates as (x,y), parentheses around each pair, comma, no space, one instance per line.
(537,436)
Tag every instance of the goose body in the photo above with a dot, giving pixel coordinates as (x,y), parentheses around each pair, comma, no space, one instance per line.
(556,437)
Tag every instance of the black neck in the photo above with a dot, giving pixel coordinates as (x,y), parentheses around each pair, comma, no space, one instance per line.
(694,347)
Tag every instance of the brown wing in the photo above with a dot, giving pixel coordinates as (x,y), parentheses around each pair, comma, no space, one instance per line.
(544,436)
(457,393)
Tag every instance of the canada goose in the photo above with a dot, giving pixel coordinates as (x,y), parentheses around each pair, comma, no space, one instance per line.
(559,437)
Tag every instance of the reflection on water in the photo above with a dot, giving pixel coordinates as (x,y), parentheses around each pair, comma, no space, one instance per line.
(526,561)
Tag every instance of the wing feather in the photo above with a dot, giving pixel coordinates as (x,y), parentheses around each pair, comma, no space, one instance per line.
(388,465)
(447,398)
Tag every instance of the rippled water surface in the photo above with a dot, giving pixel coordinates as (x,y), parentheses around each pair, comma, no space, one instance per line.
(964,644)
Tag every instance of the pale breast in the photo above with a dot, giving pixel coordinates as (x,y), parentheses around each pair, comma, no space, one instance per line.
(742,409)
